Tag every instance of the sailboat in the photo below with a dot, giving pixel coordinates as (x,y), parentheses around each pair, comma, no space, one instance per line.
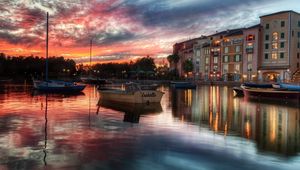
(55,85)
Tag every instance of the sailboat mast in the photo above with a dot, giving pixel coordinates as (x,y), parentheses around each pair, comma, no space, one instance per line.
(91,44)
(47,41)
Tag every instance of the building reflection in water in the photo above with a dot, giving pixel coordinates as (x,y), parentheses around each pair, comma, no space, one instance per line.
(273,126)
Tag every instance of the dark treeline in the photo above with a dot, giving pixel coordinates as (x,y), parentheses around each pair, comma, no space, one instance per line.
(143,68)
(34,66)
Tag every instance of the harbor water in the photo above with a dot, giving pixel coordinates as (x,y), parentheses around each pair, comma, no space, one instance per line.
(203,128)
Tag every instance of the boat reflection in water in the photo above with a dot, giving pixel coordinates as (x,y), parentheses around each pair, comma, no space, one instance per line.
(274,126)
(132,111)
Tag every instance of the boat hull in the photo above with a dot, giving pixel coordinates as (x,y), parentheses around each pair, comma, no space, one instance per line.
(271,94)
(239,91)
(291,87)
(144,96)
(58,87)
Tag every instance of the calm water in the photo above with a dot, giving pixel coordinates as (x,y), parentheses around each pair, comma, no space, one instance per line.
(207,128)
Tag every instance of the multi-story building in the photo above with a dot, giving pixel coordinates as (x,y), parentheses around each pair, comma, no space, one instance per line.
(185,51)
(232,52)
(251,52)
(215,55)
(199,58)
(281,46)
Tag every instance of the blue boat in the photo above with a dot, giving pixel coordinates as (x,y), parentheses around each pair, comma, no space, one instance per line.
(58,86)
(183,85)
(256,85)
(291,87)
(55,86)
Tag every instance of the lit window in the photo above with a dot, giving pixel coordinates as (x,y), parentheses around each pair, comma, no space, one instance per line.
(275,45)
(274,55)
(250,37)
(275,36)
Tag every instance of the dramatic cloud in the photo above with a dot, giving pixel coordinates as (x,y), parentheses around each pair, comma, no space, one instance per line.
(121,30)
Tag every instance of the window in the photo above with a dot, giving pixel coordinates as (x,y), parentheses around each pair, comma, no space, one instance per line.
(274,36)
(206,60)
(298,34)
(298,45)
(216,60)
(298,55)
(237,58)
(225,68)
(225,58)
(250,57)
(281,55)
(237,67)
(298,65)
(298,23)
(197,52)
(282,23)
(250,37)
(249,67)
(206,68)
(266,56)
(238,49)
(266,46)
(275,45)
(216,68)
(274,55)
(281,44)
(267,37)
(267,26)
(282,35)
(226,50)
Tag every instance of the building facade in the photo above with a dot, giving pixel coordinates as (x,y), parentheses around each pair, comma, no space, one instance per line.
(251,52)
(280,46)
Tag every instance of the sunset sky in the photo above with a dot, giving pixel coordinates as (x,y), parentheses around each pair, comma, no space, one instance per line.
(121,30)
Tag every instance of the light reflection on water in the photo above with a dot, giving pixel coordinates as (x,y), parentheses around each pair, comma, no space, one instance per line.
(207,128)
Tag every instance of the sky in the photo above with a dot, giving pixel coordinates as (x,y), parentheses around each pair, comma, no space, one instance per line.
(121,30)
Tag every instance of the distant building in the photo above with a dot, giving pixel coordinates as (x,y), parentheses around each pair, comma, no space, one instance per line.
(269,51)
(280,46)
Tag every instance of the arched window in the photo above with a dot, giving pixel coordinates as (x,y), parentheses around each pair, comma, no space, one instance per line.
(275,36)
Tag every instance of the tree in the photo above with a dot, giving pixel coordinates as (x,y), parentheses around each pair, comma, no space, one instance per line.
(174,58)
(188,66)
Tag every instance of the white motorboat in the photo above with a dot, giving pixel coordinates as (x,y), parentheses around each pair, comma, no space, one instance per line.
(133,93)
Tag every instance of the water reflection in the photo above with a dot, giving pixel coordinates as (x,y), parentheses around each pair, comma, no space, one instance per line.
(190,129)
(274,126)
(132,112)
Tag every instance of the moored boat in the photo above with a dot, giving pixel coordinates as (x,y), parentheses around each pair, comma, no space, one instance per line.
(238,91)
(57,86)
(183,85)
(132,94)
(270,93)
(257,85)
(291,87)
(54,86)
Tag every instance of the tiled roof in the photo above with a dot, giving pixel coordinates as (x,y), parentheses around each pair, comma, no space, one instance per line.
(281,12)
